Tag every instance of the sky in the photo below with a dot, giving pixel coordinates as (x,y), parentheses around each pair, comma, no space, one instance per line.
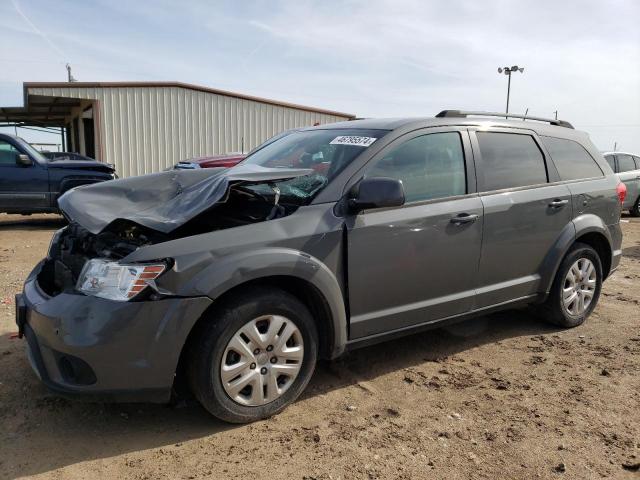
(374,58)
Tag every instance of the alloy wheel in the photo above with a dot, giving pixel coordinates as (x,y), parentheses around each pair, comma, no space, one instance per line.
(579,287)
(262,360)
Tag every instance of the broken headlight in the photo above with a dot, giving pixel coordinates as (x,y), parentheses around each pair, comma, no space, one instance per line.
(116,281)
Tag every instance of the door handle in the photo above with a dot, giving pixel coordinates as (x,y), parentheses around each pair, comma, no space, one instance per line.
(464,218)
(557,203)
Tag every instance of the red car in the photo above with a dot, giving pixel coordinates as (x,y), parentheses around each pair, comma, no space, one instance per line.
(214,161)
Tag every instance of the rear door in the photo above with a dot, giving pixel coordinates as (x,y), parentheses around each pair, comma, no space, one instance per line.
(629,173)
(523,213)
(21,187)
(590,189)
(417,263)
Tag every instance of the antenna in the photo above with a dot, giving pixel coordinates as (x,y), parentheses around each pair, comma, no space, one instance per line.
(70,77)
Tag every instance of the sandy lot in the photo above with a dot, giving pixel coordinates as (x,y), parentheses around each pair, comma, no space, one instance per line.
(496,397)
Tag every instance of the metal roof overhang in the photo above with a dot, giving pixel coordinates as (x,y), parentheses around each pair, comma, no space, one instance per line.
(41,111)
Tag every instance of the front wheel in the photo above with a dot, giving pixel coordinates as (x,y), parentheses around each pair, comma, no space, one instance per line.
(576,288)
(253,356)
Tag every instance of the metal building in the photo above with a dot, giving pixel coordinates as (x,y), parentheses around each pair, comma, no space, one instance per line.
(144,127)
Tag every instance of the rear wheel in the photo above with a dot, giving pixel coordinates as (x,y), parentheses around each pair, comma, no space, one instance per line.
(253,356)
(576,288)
(635,210)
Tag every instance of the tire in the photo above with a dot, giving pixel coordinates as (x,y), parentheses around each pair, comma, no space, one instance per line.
(635,210)
(554,310)
(215,342)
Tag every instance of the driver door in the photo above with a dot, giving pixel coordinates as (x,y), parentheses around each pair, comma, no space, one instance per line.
(417,263)
(22,187)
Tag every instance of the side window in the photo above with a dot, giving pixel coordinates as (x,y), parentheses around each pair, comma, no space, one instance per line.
(625,163)
(611,160)
(430,166)
(637,160)
(7,153)
(509,160)
(571,159)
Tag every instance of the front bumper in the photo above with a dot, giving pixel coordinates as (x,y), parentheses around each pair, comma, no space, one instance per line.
(125,351)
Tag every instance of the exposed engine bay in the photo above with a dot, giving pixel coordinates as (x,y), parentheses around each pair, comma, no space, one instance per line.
(74,245)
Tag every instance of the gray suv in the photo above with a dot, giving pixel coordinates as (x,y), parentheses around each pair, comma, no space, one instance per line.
(238,280)
(627,166)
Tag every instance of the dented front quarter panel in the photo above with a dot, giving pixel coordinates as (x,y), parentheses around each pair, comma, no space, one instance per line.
(306,244)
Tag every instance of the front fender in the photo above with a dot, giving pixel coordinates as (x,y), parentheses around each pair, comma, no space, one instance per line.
(234,270)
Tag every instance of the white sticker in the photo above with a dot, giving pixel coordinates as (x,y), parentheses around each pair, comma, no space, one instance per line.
(352,140)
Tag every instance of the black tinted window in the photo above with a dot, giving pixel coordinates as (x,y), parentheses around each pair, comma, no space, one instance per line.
(430,166)
(625,163)
(509,160)
(571,159)
(611,160)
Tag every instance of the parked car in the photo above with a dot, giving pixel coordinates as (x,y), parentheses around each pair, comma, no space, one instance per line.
(227,160)
(66,156)
(214,161)
(627,166)
(30,183)
(238,280)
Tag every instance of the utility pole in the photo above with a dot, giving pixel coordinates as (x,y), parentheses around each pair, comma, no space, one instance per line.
(556,112)
(508,71)
(70,77)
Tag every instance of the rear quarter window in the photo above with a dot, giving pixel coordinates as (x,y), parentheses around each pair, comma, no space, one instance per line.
(571,159)
(509,160)
(625,163)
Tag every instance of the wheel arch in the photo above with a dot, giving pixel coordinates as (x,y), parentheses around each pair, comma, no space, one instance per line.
(588,229)
(295,272)
(331,342)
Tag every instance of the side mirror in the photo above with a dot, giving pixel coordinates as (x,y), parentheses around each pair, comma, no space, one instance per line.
(24,160)
(377,192)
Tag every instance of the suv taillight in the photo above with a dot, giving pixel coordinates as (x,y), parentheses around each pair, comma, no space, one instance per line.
(621,190)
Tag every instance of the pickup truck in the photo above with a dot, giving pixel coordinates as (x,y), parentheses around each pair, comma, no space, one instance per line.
(30,183)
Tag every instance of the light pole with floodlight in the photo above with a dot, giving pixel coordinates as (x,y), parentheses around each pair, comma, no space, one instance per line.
(508,71)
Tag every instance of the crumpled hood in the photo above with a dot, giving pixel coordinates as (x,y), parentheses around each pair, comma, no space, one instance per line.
(162,201)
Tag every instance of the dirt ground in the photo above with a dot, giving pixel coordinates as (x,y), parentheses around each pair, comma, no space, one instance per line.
(502,396)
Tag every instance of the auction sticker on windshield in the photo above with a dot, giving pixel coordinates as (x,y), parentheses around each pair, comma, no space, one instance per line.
(353,140)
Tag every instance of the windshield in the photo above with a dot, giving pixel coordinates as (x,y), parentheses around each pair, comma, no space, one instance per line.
(326,152)
(33,153)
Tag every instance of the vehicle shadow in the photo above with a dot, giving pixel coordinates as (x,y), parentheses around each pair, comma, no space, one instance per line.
(73,431)
(433,345)
(31,222)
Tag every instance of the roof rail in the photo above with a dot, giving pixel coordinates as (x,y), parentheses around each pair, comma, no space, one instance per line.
(464,114)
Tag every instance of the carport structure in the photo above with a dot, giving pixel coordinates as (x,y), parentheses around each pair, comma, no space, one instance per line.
(55,113)
(145,127)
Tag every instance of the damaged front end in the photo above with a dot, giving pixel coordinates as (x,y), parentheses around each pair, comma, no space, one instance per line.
(74,246)
(112,220)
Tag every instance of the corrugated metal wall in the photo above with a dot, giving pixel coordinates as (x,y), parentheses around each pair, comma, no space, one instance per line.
(147,129)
